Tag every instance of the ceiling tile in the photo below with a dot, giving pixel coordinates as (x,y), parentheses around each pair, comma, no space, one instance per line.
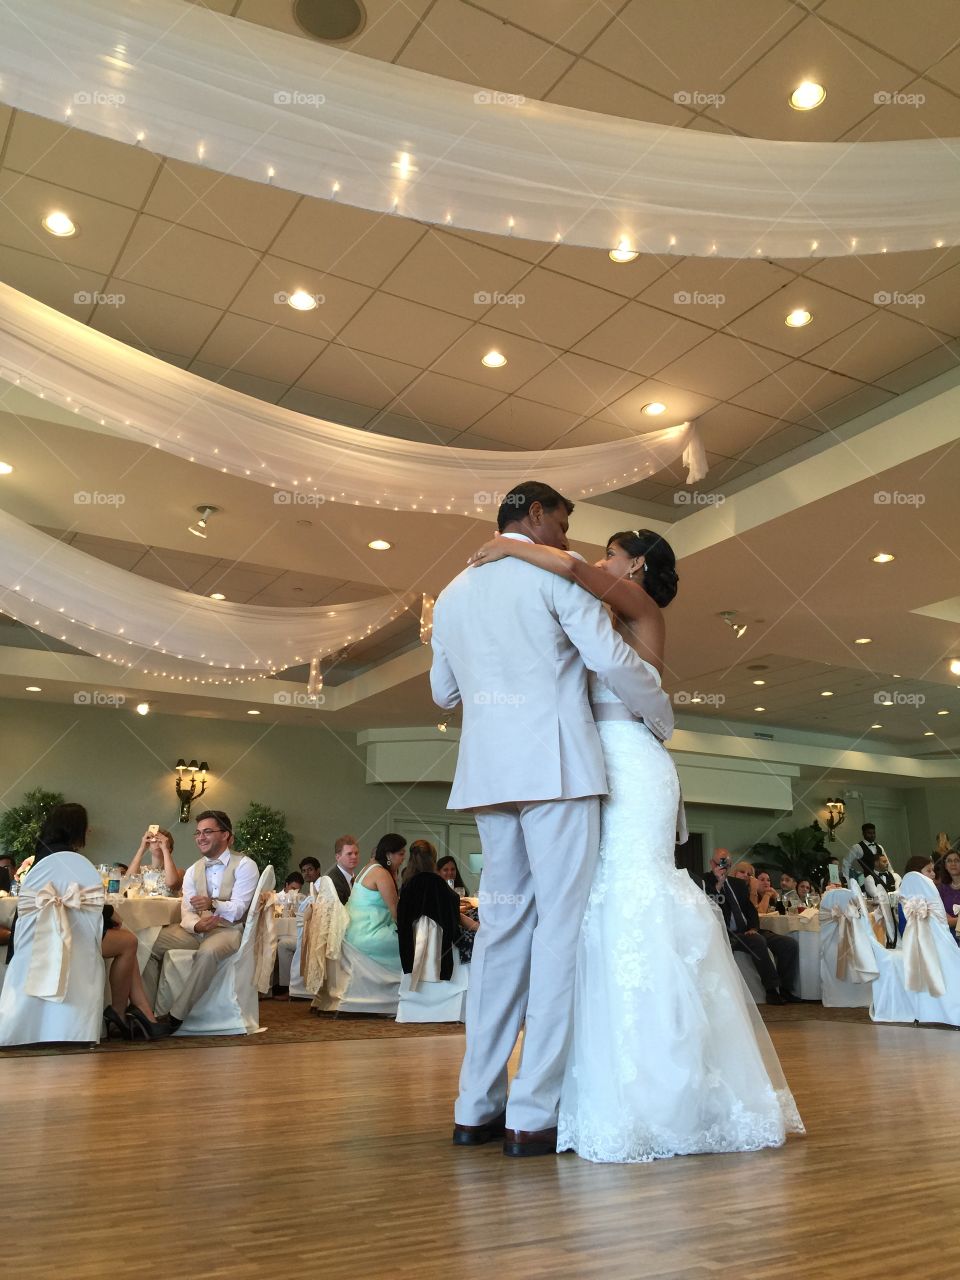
(882,23)
(173,568)
(525,358)
(941,360)
(682,406)
(122,554)
(238,582)
(103,227)
(594,266)
(721,366)
(583,386)
(80,161)
(352,243)
(779,443)
(714,292)
(266,351)
(642,339)
(594,431)
(947,70)
(262,388)
(154,321)
(556,309)
(455,275)
(162,255)
(330,408)
(594,88)
(878,344)
(477,48)
(522,424)
(437,398)
(655,44)
(513,246)
(832,312)
(404,331)
(940,308)
(880,273)
(796,391)
(69,289)
(920,110)
(569,23)
(648,490)
(387,29)
(838,412)
(733,431)
(264,297)
(356,375)
(401,427)
(234,209)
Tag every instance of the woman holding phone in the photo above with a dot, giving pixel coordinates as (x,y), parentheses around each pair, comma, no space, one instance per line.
(160,845)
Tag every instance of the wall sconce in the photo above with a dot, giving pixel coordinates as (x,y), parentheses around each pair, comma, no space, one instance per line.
(192,773)
(835,816)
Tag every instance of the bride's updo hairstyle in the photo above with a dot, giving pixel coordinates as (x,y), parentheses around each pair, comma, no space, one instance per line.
(658,575)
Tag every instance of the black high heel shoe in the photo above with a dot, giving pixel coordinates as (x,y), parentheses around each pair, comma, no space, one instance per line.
(117,1028)
(140,1025)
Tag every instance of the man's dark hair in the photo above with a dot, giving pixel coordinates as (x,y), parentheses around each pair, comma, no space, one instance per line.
(64,827)
(516,505)
(219,817)
(293,878)
(309,862)
(869,826)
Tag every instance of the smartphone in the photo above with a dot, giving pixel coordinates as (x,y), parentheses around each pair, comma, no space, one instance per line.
(833,872)
(153,828)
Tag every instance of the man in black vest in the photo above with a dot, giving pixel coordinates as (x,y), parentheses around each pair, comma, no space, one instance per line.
(732,896)
(862,857)
(346,850)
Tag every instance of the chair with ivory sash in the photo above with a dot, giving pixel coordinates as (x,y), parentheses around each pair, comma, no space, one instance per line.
(849,960)
(53,991)
(922,984)
(230,1005)
(424,996)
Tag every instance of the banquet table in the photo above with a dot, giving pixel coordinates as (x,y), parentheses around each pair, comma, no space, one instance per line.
(145,917)
(806,930)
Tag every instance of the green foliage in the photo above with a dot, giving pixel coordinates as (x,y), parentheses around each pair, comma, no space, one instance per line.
(20,825)
(262,834)
(801,853)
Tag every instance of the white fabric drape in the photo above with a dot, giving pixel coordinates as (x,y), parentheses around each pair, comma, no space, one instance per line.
(160,630)
(306,460)
(260,104)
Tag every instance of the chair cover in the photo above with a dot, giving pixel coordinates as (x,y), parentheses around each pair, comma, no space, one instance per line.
(54,985)
(423,996)
(323,931)
(748,971)
(848,950)
(230,1005)
(886,911)
(924,986)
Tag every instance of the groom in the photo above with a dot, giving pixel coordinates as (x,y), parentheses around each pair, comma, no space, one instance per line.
(513,644)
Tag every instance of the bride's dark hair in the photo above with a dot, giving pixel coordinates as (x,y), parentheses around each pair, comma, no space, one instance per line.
(659,576)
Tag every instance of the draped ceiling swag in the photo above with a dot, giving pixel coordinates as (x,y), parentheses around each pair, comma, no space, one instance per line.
(190,84)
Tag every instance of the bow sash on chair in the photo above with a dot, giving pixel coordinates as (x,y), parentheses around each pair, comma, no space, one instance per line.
(265,941)
(53,936)
(921,964)
(855,960)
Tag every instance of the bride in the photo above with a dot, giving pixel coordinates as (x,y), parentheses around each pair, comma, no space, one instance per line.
(669,1055)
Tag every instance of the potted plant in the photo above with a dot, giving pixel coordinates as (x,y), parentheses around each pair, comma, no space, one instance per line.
(20,825)
(262,834)
(801,853)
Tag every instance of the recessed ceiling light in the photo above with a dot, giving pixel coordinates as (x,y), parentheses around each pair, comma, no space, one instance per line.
(929,734)
(863,640)
(5,468)
(955,666)
(759,708)
(33,688)
(826,693)
(300,300)
(253,713)
(623,252)
(876,726)
(494,360)
(379,544)
(797,318)
(943,713)
(59,224)
(217,595)
(807,95)
(654,408)
(143,708)
(883,557)
(759,682)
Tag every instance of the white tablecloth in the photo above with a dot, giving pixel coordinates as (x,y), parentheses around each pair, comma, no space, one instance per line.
(806,930)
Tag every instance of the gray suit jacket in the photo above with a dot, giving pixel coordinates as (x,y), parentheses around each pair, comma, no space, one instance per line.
(513,644)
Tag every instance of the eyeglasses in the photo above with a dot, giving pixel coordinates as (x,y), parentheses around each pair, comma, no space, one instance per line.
(207,831)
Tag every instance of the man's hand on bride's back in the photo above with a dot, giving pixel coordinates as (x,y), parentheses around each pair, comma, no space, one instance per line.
(490,551)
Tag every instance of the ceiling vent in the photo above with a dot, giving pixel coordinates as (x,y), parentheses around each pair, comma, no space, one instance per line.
(330,19)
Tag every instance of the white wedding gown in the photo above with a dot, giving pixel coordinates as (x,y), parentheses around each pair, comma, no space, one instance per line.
(669,1055)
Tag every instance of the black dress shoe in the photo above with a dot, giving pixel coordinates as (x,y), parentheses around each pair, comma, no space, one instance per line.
(475,1135)
(774,997)
(790,998)
(523,1142)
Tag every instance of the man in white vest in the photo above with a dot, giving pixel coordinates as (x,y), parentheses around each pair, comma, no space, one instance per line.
(217,892)
(513,644)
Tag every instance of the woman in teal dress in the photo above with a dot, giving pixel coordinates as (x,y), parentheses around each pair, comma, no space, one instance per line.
(373,905)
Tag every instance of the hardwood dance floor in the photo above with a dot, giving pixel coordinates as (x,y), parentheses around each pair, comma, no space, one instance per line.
(333,1160)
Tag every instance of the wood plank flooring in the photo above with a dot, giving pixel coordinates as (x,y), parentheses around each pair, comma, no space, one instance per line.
(333,1160)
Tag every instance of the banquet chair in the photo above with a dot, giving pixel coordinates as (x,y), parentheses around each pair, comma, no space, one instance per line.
(230,1005)
(886,912)
(296,982)
(345,979)
(53,990)
(424,996)
(850,956)
(748,971)
(922,984)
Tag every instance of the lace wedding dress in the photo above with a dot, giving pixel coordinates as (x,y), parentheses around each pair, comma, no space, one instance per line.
(669,1055)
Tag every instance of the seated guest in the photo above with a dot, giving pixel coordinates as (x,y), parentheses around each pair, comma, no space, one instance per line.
(807,895)
(949,886)
(346,852)
(217,892)
(160,846)
(294,884)
(373,904)
(767,896)
(310,869)
(129,1012)
(788,890)
(448,869)
(884,875)
(424,893)
(732,895)
(919,862)
(8,863)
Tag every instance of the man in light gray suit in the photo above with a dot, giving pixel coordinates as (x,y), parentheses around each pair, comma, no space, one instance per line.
(513,644)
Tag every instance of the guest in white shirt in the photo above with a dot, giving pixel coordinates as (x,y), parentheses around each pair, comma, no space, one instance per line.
(217,892)
(310,870)
(346,851)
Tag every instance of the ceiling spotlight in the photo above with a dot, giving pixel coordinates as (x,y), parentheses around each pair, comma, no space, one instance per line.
(253,713)
(759,682)
(807,95)
(33,688)
(199,530)
(943,713)
(379,544)
(826,693)
(797,318)
(494,360)
(876,726)
(759,708)
(5,468)
(863,640)
(729,616)
(929,733)
(623,252)
(300,300)
(654,408)
(59,224)
(217,595)
(955,666)
(143,708)
(883,557)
